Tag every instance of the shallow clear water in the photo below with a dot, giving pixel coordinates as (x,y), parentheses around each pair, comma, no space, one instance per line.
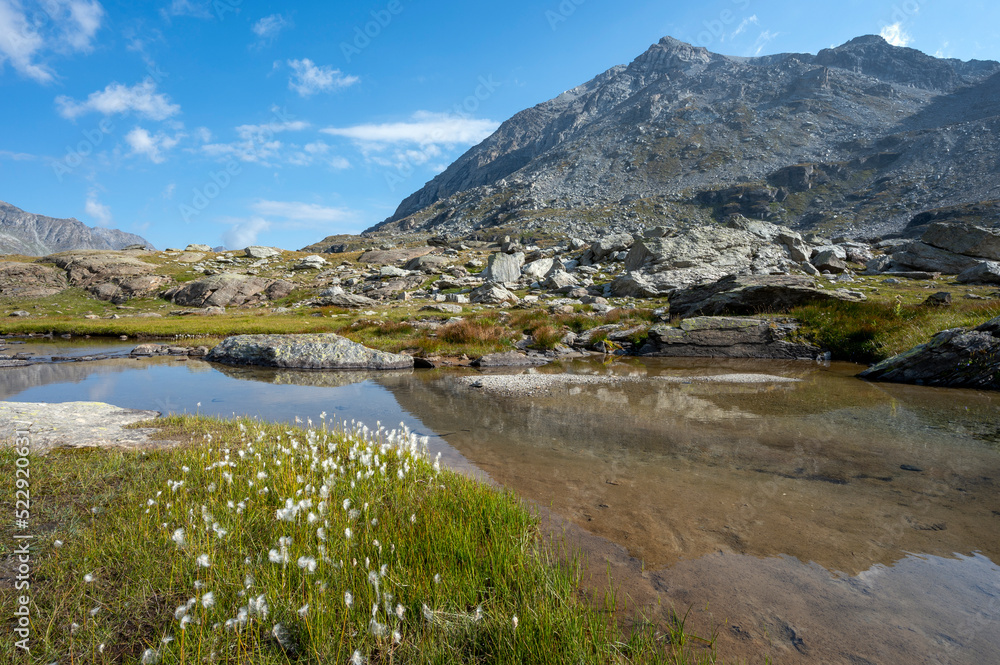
(827,520)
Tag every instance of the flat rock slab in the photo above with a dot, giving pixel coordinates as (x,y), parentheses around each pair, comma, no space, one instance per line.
(307,351)
(510,359)
(957,358)
(75,425)
(728,337)
(391,256)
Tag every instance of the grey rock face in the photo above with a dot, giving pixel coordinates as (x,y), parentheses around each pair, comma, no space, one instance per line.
(195,247)
(428,263)
(259,252)
(87,268)
(343,299)
(921,256)
(828,260)
(313,262)
(728,337)
(958,358)
(311,351)
(537,269)
(227,290)
(751,294)
(492,294)
(36,235)
(29,280)
(987,272)
(121,290)
(964,239)
(504,268)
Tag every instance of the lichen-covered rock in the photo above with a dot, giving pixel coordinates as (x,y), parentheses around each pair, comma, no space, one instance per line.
(492,294)
(964,239)
(728,337)
(259,252)
(752,294)
(122,289)
(307,351)
(29,280)
(956,358)
(227,290)
(87,268)
(987,272)
(504,268)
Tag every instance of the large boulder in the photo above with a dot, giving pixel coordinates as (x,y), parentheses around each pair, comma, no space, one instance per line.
(429,263)
(228,290)
(337,297)
(492,294)
(728,337)
(391,287)
(504,268)
(712,250)
(510,359)
(90,267)
(957,358)
(259,252)
(964,239)
(921,256)
(121,290)
(752,294)
(609,246)
(829,260)
(29,280)
(537,270)
(382,257)
(308,351)
(986,272)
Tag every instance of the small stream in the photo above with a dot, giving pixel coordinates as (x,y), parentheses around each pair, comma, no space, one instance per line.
(822,520)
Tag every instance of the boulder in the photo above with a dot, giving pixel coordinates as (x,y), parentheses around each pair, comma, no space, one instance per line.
(337,297)
(986,272)
(258,252)
(227,289)
(504,268)
(964,239)
(197,248)
(122,289)
(312,262)
(537,270)
(829,260)
(381,257)
(392,271)
(443,308)
(798,249)
(710,251)
(308,351)
(728,337)
(610,245)
(957,358)
(395,286)
(835,250)
(924,257)
(428,263)
(751,294)
(29,280)
(560,279)
(492,294)
(509,359)
(939,299)
(89,267)
(878,264)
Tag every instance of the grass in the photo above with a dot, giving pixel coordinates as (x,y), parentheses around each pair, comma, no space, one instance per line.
(872,331)
(264,543)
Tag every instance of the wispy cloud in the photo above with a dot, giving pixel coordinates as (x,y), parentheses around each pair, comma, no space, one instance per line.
(195,8)
(100,213)
(763,39)
(895,35)
(151,145)
(308,78)
(68,26)
(244,232)
(17,156)
(744,24)
(297,211)
(141,99)
(270,27)
(252,131)
(424,128)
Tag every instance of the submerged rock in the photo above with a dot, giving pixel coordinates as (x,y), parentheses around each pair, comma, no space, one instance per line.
(956,358)
(305,351)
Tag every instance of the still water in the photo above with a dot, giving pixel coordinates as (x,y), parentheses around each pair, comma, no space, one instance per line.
(822,520)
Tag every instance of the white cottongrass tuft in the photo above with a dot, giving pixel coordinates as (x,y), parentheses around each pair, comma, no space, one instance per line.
(303,611)
(348,599)
(307,563)
(150,657)
(357,658)
(513,622)
(88,578)
(178,537)
(203,561)
(208,600)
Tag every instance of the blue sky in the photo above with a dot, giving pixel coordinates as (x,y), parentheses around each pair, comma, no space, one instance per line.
(237,122)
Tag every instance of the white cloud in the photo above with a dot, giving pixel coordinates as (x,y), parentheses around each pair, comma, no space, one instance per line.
(424,129)
(168,192)
(744,24)
(150,145)
(244,232)
(296,211)
(195,8)
(268,27)
(308,78)
(895,35)
(141,99)
(252,151)
(100,213)
(763,39)
(17,156)
(67,26)
(258,131)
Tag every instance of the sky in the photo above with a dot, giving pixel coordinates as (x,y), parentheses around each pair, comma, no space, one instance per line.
(236,122)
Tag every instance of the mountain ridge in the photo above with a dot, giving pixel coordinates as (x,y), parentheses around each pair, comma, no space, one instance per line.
(30,234)
(880,133)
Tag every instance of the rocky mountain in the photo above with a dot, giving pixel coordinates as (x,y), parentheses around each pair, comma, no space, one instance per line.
(855,140)
(36,235)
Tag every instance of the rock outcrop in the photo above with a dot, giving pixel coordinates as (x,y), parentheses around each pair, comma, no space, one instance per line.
(729,337)
(309,351)
(957,358)
(29,280)
(228,290)
(753,294)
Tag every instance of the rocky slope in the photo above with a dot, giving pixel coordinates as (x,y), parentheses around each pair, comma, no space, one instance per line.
(856,140)
(36,235)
